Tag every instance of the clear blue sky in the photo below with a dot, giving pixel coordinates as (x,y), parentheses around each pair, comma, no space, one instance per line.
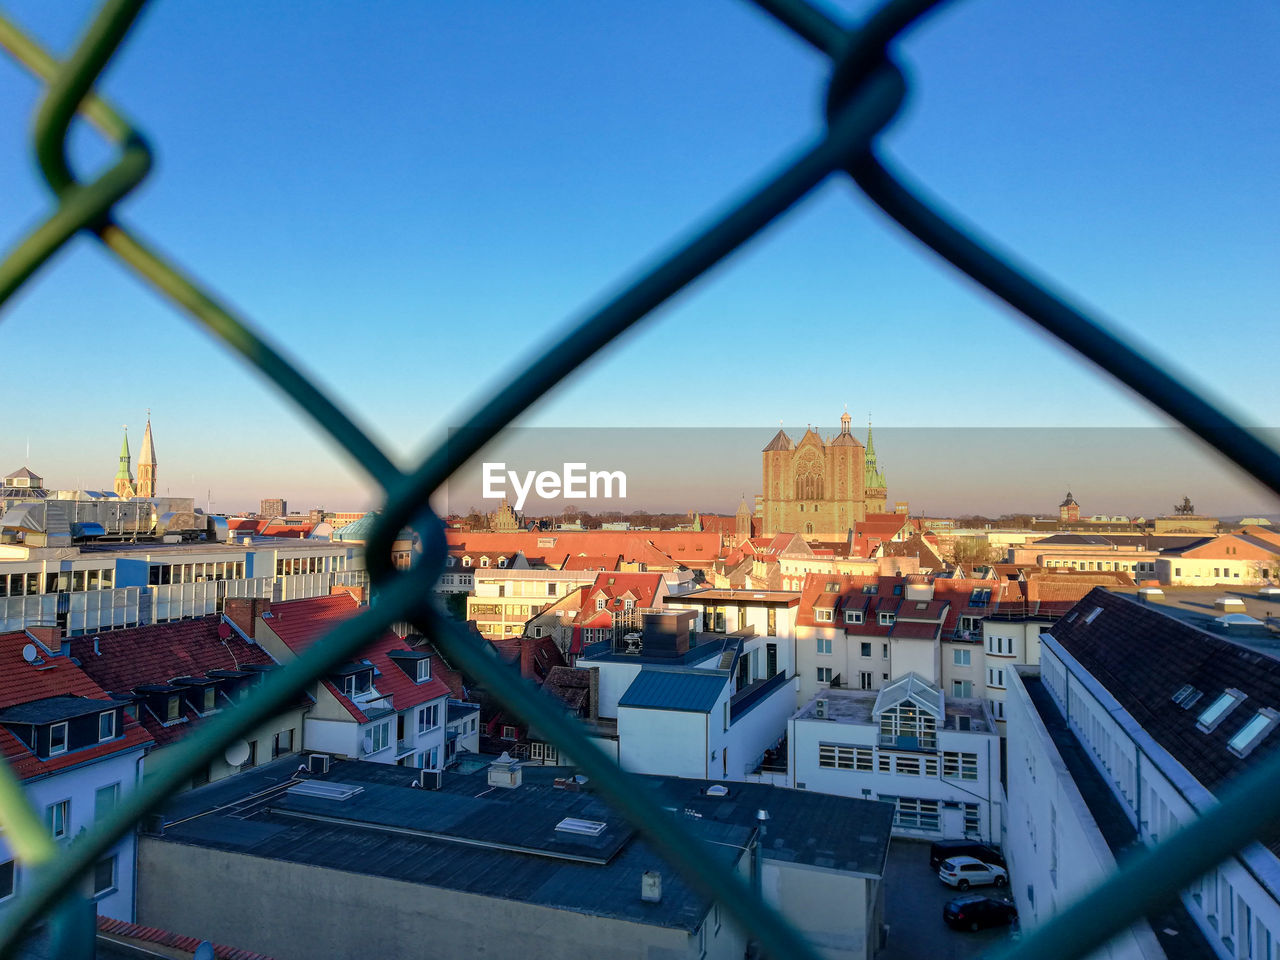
(407,196)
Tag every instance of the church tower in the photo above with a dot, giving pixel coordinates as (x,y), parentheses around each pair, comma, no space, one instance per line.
(124,475)
(147,464)
(875,488)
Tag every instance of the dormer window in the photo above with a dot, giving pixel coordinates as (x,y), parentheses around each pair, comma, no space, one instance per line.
(1218,710)
(450,561)
(599,603)
(210,699)
(868,588)
(853,616)
(57,739)
(171,709)
(466,561)
(106,725)
(822,616)
(484,561)
(424,669)
(357,683)
(886,619)
(502,561)
(832,587)
(980,597)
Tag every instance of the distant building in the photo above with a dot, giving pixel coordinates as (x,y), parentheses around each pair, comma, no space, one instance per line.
(820,488)
(21,486)
(1069,510)
(271,508)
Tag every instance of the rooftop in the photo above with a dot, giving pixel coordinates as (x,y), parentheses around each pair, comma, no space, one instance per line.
(710,595)
(858,706)
(504,843)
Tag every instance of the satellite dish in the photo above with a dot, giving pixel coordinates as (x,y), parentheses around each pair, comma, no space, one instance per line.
(224,631)
(236,753)
(30,653)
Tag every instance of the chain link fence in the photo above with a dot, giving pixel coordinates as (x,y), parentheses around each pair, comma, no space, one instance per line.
(866,90)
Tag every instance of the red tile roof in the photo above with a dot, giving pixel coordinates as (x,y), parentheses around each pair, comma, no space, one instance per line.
(659,549)
(22,682)
(585,562)
(300,623)
(133,931)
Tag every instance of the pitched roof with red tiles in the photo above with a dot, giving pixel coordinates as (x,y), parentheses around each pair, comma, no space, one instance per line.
(615,589)
(22,682)
(133,931)
(300,623)
(122,660)
(584,562)
(659,549)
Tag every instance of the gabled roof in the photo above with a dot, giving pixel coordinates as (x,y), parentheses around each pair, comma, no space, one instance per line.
(911,687)
(300,623)
(689,691)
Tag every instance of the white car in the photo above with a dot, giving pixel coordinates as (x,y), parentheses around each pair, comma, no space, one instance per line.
(965,872)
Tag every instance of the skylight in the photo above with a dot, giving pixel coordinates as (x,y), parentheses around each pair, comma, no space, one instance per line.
(1251,734)
(590,828)
(1092,615)
(1217,710)
(1186,696)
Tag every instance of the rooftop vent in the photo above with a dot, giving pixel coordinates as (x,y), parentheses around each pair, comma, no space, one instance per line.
(1151,594)
(1229,604)
(1270,592)
(587,828)
(651,886)
(325,790)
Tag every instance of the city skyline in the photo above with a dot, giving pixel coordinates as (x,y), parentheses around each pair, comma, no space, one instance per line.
(413,237)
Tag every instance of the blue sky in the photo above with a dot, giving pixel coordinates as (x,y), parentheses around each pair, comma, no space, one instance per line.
(409,196)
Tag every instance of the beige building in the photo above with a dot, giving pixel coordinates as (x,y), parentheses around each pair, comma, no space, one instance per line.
(820,488)
(505,600)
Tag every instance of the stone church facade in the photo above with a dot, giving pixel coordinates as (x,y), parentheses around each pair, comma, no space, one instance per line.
(820,488)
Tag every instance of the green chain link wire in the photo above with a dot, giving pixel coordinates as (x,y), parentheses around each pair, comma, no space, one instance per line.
(866,91)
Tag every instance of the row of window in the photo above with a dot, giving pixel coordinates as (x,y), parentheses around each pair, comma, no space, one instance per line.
(58,732)
(921,814)
(104,878)
(294,566)
(466,561)
(29,584)
(955,765)
(826,615)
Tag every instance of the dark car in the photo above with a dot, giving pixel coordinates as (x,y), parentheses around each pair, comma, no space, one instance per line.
(974,913)
(946,849)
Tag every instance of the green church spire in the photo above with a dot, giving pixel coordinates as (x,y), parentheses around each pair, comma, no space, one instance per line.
(125,473)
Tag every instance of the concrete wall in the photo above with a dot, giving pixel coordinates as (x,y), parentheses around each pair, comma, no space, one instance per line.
(270,907)
(614,680)
(759,729)
(840,914)
(670,743)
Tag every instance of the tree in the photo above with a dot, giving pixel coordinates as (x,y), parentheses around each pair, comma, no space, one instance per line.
(975,550)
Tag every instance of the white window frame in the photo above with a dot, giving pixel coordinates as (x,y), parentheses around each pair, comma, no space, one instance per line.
(65,805)
(424,670)
(111,735)
(962,658)
(66,738)
(823,615)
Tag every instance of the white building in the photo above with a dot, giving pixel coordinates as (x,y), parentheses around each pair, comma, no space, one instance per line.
(77,753)
(1132,723)
(769,616)
(936,758)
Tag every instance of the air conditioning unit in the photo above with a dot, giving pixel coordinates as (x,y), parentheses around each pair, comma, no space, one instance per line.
(430,779)
(820,708)
(318,763)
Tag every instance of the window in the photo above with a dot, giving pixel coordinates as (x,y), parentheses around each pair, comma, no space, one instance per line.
(599,603)
(424,669)
(253,755)
(961,658)
(971,821)
(995,677)
(822,616)
(865,680)
(57,739)
(8,880)
(997,709)
(824,674)
(282,743)
(980,597)
(853,616)
(865,650)
(381,736)
(1218,710)
(171,710)
(961,688)
(508,733)
(545,752)
(907,725)
(886,619)
(104,876)
(907,766)
(970,624)
(105,800)
(960,766)
(840,757)
(484,561)
(1251,734)
(884,651)
(912,812)
(210,699)
(58,817)
(428,717)
(824,645)
(771,622)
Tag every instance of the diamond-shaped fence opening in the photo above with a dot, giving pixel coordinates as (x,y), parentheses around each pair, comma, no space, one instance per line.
(865,93)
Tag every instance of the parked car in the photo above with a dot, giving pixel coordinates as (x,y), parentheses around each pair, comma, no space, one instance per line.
(975,912)
(946,849)
(965,872)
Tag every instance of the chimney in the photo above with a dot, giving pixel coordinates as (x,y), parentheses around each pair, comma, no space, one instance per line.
(245,611)
(651,886)
(593,693)
(357,593)
(526,657)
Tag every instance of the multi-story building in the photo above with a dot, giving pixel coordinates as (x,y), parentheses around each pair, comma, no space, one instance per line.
(767,617)
(385,707)
(273,507)
(1132,725)
(935,757)
(503,601)
(76,751)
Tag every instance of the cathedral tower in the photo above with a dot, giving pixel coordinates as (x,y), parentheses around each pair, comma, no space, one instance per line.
(147,464)
(877,490)
(124,475)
